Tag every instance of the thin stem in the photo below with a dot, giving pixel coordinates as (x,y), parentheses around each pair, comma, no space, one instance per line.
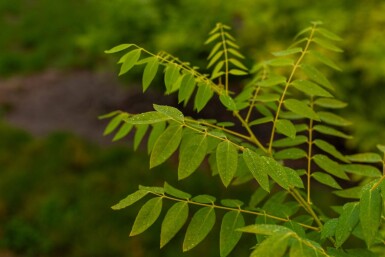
(212,205)
(298,197)
(288,82)
(251,107)
(309,155)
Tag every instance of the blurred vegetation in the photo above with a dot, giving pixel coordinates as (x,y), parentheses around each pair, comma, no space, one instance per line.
(39,215)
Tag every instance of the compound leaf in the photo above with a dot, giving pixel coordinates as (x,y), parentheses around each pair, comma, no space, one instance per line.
(201,224)
(174,220)
(147,215)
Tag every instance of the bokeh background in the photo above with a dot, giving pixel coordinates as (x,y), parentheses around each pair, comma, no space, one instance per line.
(59,176)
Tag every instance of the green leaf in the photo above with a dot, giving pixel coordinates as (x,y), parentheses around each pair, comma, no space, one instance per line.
(346,222)
(329,228)
(300,108)
(238,64)
(288,142)
(289,51)
(328,34)
(265,229)
(214,50)
(203,199)
(154,190)
(187,88)
(192,153)
(169,111)
(217,70)
(212,38)
(147,215)
(326,44)
(322,58)
(123,131)
(330,166)
(233,203)
(118,48)
(201,224)
(370,212)
(290,154)
(215,58)
(330,149)
(147,118)
(157,130)
(333,119)
(129,200)
(330,103)
(109,115)
(381,148)
(286,127)
(365,157)
(254,163)
(352,193)
(279,62)
(362,170)
(301,249)
(139,134)
(261,121)
(166,145)
(114,123)
(149,72)
(174,220)
(130,60)
(171,76)
(202,97)
(229,236)
(237,72)
(235,53)
(273,246)
(175,192)
(326,179)
(316,76)
(266,98)
(227,161)
(228,102)
(331,131)
(310,88)
(293,178)
(272,81)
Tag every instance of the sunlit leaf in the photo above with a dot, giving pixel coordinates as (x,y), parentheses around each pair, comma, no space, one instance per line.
(279,62)
(290,154)
(141,130)
(238,64)
(215,58)
(330,103)
(212,38)
(187,88)
(130,199)
(174,220)
(166,145)
(170,111)
(272,81)
(227,161)
(171,76)
(289,51)
(147,118)
(202,97)
(157,130)
(237,72)
(149,72)
(229,236)
(333,119)
(351,193)
(147,215)
(310,88)
(327,44)
(130,60)
(123,131)
(273,246)
(235,53)
(316,76)
(228,102)
(114,123)
(265,229)
(201,224)
(118,48)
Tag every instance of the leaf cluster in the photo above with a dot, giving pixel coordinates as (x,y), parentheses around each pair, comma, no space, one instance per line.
(292,97)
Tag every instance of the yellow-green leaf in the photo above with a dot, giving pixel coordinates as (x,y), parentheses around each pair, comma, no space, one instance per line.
(272,81)
(316,76)
(310,88)
(229,236)
(202,97)
(290,154)
(174,220)
(187,88)
(273,246)
(118,48)
(286,128)
(227,161)
(365,157)
(301,108)
(331,131)
(147,215)
(175,192)
(327,44)
(123,131)
(141,130)
(362,170)
(322,58)
(201,224)
(333,119)
(149,72)
(289,51)
(330,103)
(170,111)
(147,118)
(114,123)
(130,199)
(171,76)
(330,149)
(130,60)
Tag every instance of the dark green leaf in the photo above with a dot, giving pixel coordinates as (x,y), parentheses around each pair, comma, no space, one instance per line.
(139,134)
(370,212)
(169,111)
(286,127)
(166,145)
(310,88)
(118,48)
(147,118)
(130,60)
(331,131)
(300,108)
(154,190)
(326,179)
(330,166)
(290,154)
(265,229)
(363,170)
(365,157)
(201,224)
(147,215)
(261,121)
(289,51)
(227,161)
(149,72)
(174,220)
(175,192)
(229,236)
(192,153)
(329,228)
(202,97)
(316,76)
(129,200)
(288,142)
(255,164)
(203,199)
(330,103)
(330,149)
(233,203)
(346,222)
(273,246)
(333,119)
(157,130)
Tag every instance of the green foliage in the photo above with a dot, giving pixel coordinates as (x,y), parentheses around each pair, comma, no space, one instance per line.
(294,99)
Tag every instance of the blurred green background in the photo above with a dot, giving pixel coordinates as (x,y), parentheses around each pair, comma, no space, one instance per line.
(56,189)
